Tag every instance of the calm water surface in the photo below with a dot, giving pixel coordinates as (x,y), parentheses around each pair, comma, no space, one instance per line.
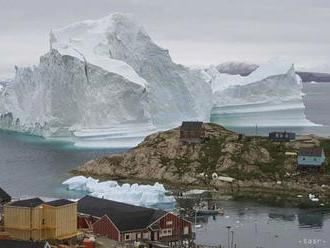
(30,166)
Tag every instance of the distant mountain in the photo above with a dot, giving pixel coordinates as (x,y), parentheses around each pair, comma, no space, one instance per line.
(314,76)
(237,68)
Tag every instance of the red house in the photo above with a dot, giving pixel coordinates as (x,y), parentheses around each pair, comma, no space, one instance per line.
(129,223)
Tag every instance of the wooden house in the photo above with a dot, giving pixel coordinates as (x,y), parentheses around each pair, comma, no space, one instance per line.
(129,223)
(282,136)
(192,132)
(34,219)
(311,158)
(23,244)
(4,197)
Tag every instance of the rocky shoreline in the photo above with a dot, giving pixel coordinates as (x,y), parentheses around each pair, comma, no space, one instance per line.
(259,166)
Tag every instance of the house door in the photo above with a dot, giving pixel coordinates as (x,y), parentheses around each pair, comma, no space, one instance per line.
(154,236)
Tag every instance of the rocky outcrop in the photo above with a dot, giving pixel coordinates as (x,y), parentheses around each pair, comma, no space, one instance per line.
(163,157)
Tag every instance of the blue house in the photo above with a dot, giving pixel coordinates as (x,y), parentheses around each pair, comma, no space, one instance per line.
(282,136)
(311,157)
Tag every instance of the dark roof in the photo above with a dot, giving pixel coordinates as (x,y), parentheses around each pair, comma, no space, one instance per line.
(282,132)
(126,217)
(33,202)
(21,244)
(4,197)
(191,125)
(313,152)
(60,202)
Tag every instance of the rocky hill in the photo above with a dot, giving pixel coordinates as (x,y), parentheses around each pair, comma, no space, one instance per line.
(162,157)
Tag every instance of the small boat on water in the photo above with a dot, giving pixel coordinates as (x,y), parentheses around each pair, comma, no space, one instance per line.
(200,212)
(205,209)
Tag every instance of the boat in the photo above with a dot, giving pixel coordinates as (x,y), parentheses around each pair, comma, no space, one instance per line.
(201,212)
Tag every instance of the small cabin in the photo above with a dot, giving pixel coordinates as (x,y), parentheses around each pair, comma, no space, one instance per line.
(192,132)
(34,219)
(311,157)
(282,136)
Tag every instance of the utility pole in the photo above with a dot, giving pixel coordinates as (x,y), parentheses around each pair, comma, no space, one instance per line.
(232,239)
(228,238)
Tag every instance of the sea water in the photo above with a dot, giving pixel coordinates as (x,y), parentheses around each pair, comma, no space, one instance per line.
(32,166)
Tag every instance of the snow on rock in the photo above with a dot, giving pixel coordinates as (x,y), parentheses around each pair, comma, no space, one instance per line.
(313,198)
(141,195)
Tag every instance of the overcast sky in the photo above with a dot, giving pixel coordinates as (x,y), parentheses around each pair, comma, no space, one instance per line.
(199,32)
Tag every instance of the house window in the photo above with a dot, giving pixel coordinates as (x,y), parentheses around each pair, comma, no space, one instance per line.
(169,223)
(166,232)
(146,235)
(139,235)
(304,158)
(186,230)
(127,237)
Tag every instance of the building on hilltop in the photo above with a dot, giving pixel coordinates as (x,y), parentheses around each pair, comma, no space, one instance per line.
(311,157)
(282,136)
(129,223)
(34,219)
(192,132)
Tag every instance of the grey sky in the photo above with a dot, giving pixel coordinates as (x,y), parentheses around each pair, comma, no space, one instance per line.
(196,32)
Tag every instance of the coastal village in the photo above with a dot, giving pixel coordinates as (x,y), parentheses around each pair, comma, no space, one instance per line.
(96,222)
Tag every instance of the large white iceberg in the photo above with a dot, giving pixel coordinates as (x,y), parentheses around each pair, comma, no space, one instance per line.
(106,83)
(101,76)
(141,195)
(255,99)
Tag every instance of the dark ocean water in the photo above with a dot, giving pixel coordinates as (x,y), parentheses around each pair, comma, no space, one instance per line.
(31,166)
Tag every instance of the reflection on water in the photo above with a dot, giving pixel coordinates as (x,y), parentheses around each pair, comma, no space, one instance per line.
(254,225)
(311,219)
(282,217)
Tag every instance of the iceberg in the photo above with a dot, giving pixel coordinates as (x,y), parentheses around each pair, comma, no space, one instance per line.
(103,80)
(140,195)
(105,83)
(269,96)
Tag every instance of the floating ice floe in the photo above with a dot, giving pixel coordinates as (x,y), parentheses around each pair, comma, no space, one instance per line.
(141,195)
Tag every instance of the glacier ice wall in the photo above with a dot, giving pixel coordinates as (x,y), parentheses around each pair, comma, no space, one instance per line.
(63,94)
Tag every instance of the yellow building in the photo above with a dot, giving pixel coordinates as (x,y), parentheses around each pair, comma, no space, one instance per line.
(34,219)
